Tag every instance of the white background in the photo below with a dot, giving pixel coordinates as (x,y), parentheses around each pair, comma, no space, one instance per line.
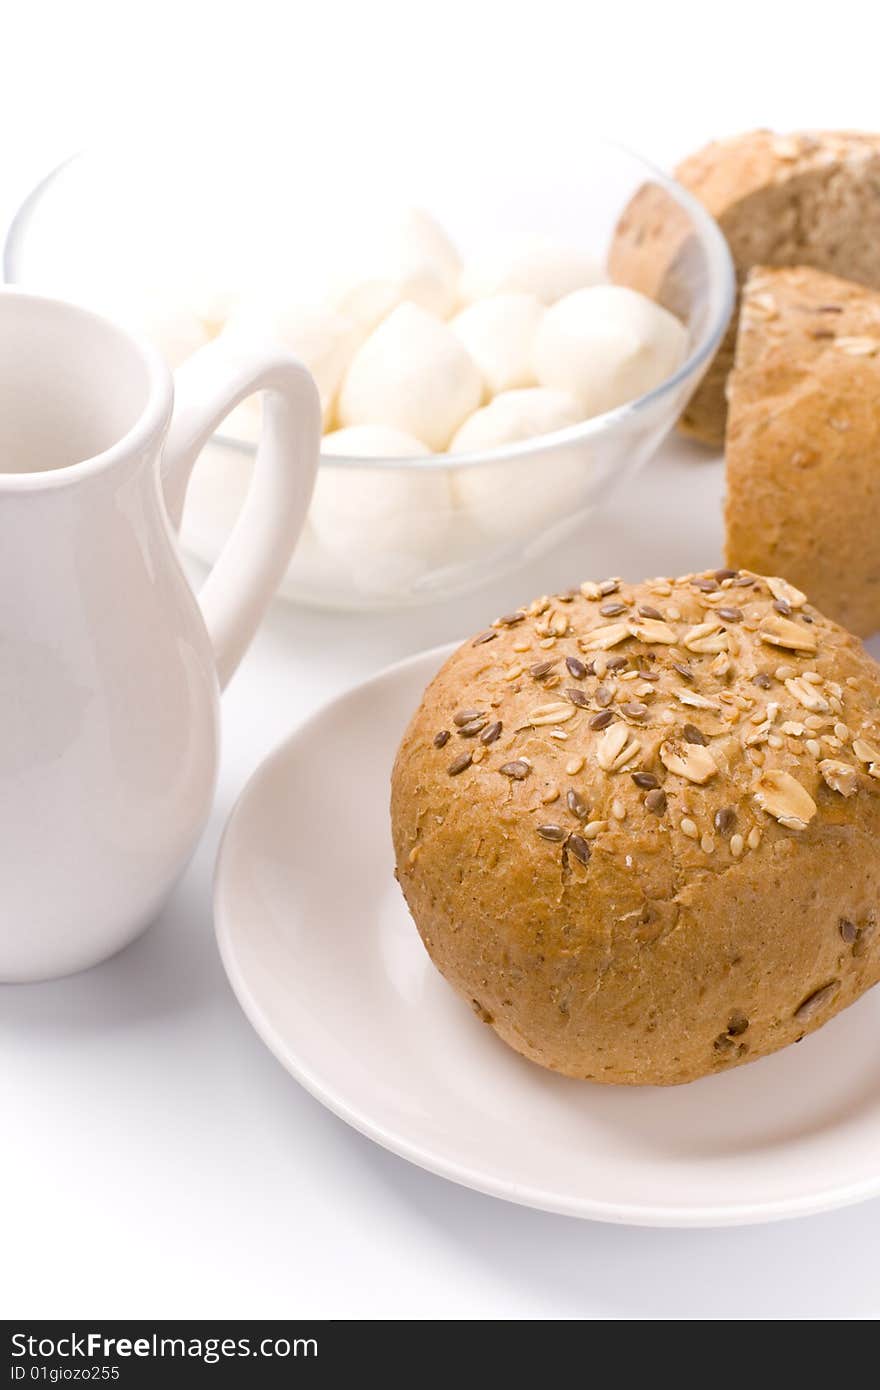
(154,1159)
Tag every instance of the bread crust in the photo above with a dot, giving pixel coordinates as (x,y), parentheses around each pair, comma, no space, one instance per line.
(703,895)
(806,199)
(803,439)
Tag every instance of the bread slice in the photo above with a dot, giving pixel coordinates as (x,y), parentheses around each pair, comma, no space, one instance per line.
(781,200)
(803,440)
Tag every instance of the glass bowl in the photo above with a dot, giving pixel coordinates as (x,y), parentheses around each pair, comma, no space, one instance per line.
(383,532)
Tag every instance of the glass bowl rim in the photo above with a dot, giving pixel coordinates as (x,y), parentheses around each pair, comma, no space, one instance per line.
(721,268)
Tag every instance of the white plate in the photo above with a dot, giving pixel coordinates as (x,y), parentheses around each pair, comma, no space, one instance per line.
(329,968)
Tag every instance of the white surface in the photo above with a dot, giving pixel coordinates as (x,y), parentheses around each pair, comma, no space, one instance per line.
(325,961)
(155,1159)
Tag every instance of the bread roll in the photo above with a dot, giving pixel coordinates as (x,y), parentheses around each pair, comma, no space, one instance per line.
(803,440)
(781,200)
(638,826)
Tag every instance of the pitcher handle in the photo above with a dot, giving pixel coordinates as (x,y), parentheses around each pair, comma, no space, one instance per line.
(249,570)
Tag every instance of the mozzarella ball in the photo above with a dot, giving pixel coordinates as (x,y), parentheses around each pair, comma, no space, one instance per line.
(518,497)
(387,526)
(373,441)
(324,340)
(411,260)
(499,333)
(540,267)
(514,416)
(414,374)
(607,345)
(367,302)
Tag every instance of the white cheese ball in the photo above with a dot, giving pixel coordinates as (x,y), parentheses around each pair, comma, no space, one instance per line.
(540,267)
(514,416)
(499,333)
(519,497)
(607,345)
(368,301)
(414,374)
(411,260)
(323,339)
(386,526)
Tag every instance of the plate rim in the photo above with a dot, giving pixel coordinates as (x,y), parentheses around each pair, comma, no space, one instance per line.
(705,1216)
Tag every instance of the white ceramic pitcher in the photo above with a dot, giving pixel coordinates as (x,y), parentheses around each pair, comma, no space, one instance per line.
(109,667)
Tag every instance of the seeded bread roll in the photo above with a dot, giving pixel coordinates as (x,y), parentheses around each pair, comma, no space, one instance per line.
(781,200)
(803,440)
(638,826)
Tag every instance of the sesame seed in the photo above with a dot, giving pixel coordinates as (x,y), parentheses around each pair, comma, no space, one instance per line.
(688,827)
(754,837)
(594,828)
(549,794)
(707,843)
(737,846)
(574,766)
(618,810)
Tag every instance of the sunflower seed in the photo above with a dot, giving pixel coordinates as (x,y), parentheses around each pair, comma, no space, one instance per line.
(655,801)
(489,735)
(555,833)
(694,735)
(487,636)
(459,764)
(578,698)
(517,770)
(465,716)
(602,720)
(730,615)
(646,780)
(577,805)
(725,820)
(579,848)
(848,930)
(575,668)
(441,739)
(684,671)
(612,610)
(634,709)
(474,727)
(816,1001)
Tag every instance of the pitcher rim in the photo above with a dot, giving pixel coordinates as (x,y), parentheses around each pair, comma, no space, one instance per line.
(146,429)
